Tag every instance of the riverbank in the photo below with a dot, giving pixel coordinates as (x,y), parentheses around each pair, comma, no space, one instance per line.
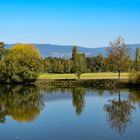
(95,83)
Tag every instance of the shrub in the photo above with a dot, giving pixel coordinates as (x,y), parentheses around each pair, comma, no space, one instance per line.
(134,77)
(21,64)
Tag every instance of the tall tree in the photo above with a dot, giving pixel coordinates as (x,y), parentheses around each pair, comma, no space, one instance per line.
(79,62)
(137,61)
(74,52)
(118,56)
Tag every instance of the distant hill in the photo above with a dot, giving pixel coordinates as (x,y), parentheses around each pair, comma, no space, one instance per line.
(65,51)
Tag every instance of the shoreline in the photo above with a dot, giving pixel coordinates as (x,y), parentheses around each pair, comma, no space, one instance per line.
(87,83)
(94,83)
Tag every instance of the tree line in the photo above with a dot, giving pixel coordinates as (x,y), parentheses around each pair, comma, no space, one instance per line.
(117,60)
(23,63)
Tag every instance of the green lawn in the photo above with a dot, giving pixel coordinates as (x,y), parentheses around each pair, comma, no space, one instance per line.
(83,76)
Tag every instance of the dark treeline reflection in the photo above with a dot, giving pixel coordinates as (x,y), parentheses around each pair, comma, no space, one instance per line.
(22,103)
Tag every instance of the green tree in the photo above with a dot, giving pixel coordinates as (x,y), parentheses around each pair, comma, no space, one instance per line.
(56,65)
(97,63)
(137,60)
(74,52)
(3,51)
(21,64)
(118,56)
(67,65)
(79,65)
(79,62)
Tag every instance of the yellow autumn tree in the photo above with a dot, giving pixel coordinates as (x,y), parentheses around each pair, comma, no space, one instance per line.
(21,64)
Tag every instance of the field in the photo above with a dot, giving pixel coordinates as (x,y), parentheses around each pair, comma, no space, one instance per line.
(84,76)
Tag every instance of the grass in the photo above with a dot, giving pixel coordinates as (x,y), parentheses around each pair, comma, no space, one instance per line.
(84,76)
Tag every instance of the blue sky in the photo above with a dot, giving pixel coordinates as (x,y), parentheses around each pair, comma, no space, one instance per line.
(88,23)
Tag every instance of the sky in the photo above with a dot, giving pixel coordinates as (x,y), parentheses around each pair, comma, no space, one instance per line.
(87,23)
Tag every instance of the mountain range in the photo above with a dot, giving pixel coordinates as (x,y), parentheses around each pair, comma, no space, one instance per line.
(65,51)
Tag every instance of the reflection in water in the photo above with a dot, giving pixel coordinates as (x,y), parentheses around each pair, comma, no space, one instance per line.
(119,114)
(134,96)
(77,96)
(24,103)
(20,102)
(78,100)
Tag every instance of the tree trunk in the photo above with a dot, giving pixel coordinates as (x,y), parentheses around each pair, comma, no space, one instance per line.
(119,74)
(79,76)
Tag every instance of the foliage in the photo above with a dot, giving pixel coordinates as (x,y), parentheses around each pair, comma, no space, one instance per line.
(137,60)
(118,60)
(57,65)
(74,52)
(134,77)
(97,64)
(3,51)
(21,64)
(79,63)
(118,56)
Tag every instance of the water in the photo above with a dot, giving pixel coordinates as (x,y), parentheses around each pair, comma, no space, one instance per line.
(30,113)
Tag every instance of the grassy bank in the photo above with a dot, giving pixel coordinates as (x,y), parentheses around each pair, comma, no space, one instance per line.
(84,76)
(96,80)
(96,83)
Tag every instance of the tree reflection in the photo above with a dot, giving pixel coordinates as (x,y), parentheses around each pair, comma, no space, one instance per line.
(78,100)
(119,114)
(134,96)
(77,96)
(22,103)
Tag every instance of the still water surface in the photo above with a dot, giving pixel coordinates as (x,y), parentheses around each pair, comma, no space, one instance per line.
(30,113)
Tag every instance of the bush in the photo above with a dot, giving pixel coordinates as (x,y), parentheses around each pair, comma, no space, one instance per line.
(21,64)
(134,77)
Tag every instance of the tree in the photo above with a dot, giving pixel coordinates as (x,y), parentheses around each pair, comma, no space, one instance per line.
(118,56)
(137,60)
(2,50)
(56,65)
(21,64)
(74,52)
(67,65)
(96,63)
(79,65)
(79,62)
